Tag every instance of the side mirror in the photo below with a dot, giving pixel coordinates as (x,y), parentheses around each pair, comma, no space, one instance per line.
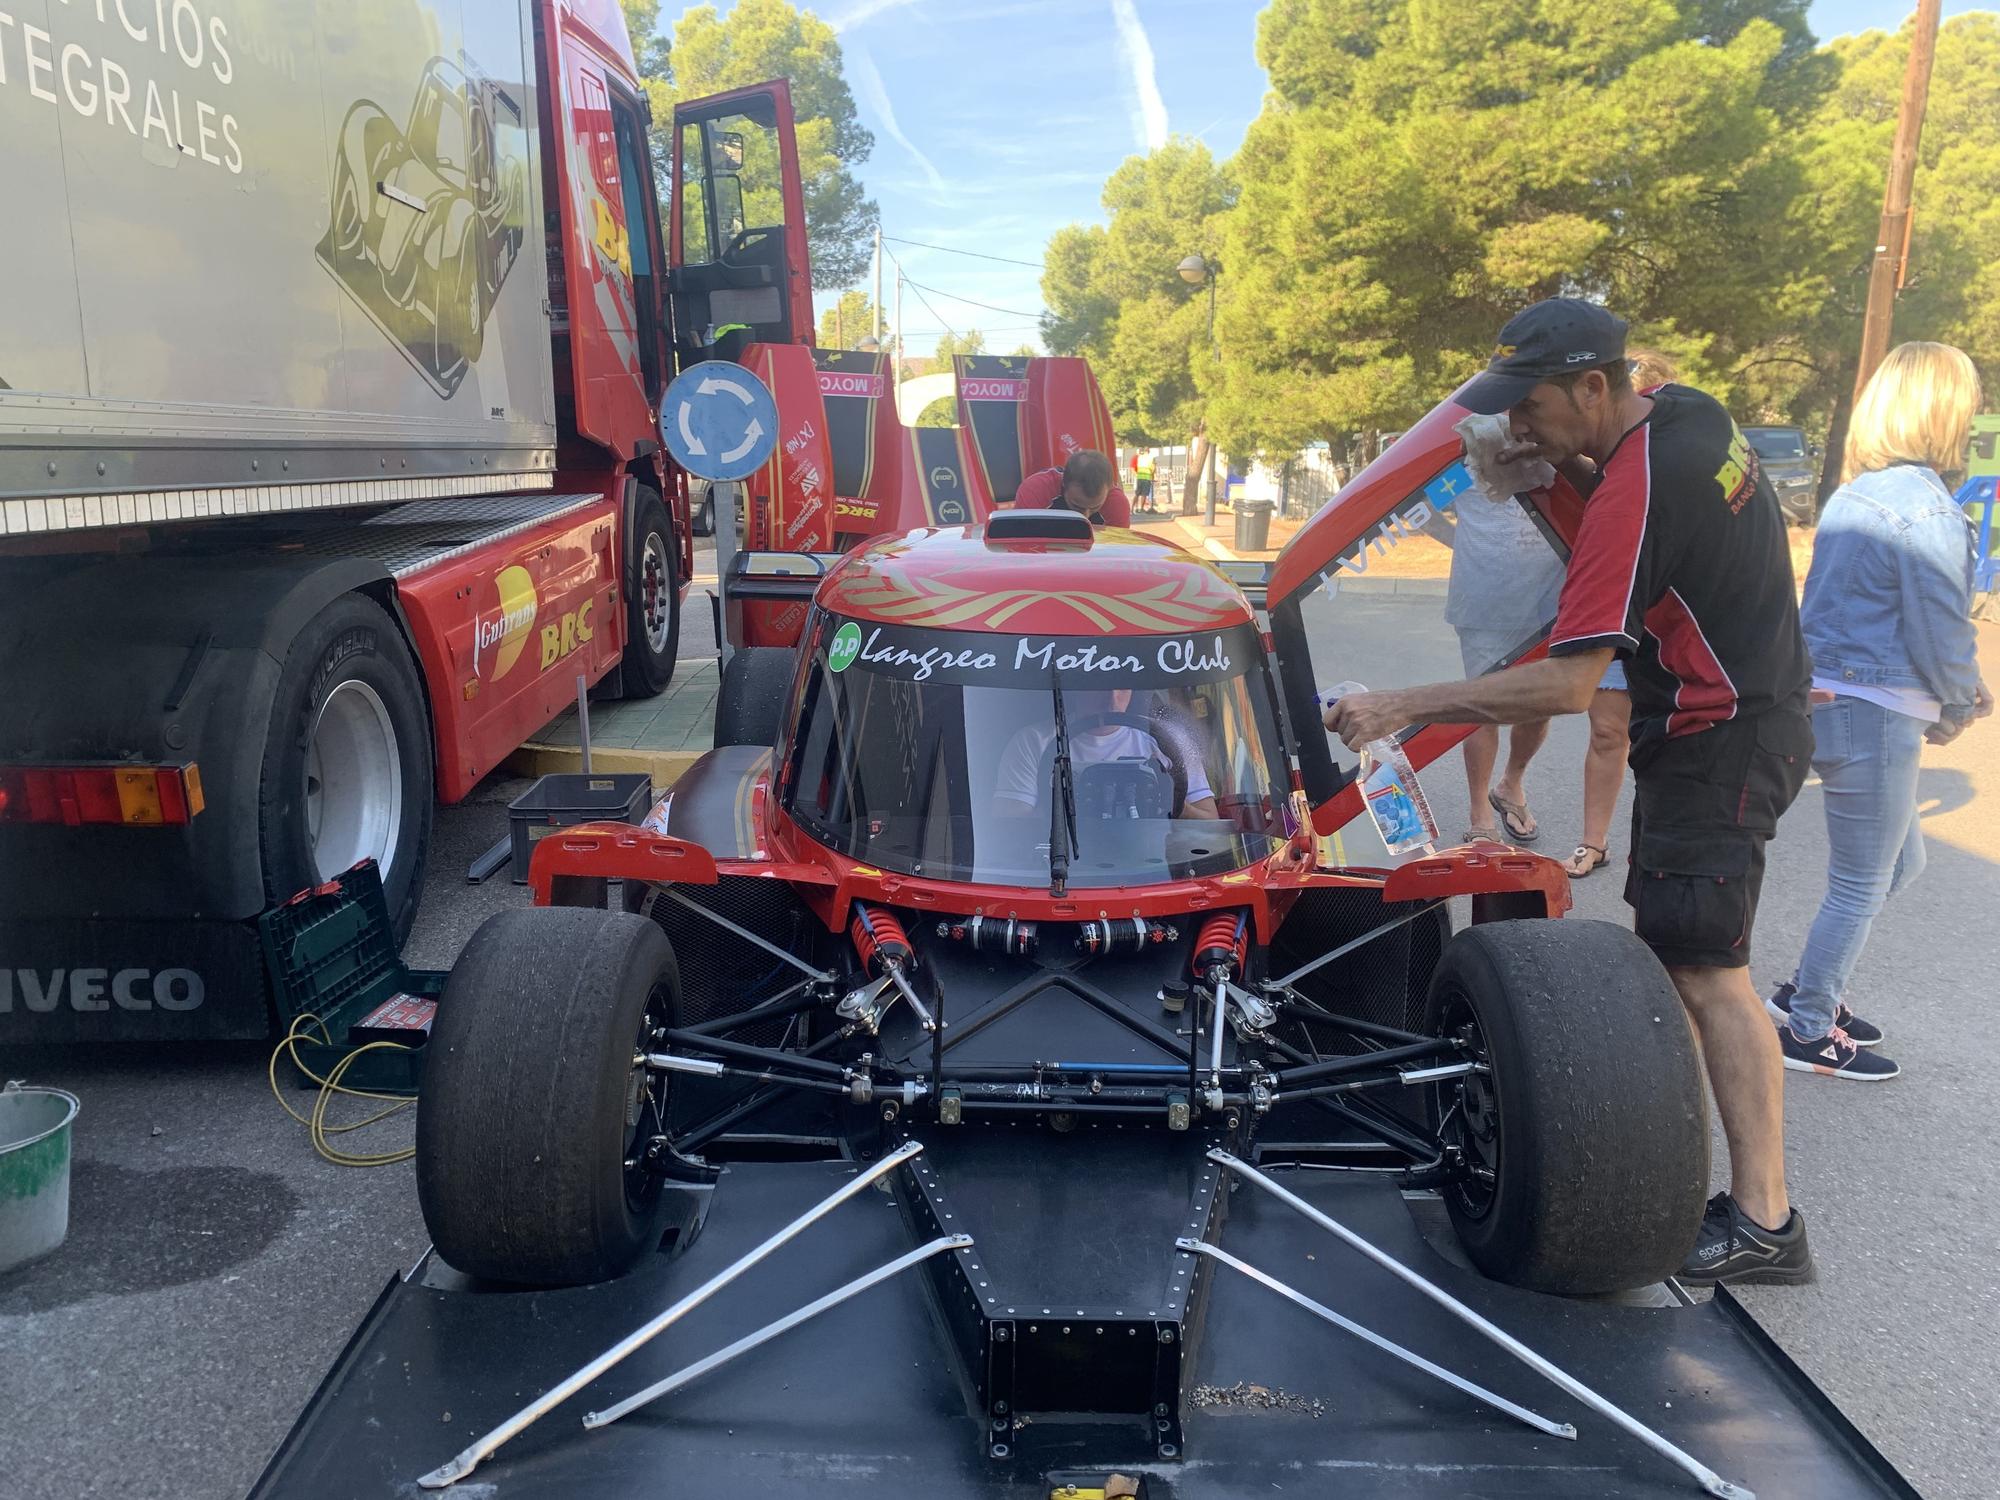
(725,149)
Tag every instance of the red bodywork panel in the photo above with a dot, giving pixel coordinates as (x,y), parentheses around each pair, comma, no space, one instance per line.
(1128,586)
(503,632)
(586,54)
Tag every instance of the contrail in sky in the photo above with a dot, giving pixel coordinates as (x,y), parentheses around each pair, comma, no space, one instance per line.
(877,99)
(1150,121)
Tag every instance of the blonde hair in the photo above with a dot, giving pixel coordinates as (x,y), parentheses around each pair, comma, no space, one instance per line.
(1650,368)
(1916,409)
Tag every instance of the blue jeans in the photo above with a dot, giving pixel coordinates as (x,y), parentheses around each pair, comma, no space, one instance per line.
(1866,757)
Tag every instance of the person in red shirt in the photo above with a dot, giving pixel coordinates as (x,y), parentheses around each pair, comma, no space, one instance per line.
(1680,570)
(1084,484)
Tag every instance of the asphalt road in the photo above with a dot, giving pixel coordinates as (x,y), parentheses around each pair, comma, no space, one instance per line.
(216,1265)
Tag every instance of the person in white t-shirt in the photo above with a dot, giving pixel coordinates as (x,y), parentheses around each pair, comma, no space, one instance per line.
(1022,781)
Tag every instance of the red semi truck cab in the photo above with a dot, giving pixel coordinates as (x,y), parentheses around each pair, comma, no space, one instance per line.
(327,466)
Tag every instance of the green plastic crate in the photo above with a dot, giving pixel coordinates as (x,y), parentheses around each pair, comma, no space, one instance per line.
(331,952)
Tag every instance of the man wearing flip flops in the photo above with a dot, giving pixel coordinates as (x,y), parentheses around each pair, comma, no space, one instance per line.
(1681,570)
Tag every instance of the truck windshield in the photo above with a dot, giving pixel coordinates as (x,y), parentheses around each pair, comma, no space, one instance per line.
(933,753)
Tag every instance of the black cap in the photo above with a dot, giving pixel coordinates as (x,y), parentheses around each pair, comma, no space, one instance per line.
(1553,337)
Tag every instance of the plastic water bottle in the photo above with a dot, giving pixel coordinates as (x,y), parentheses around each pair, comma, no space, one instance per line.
(1389,786)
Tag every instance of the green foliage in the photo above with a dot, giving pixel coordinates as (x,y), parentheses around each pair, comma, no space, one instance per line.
(855,322)
(1805,369)
(972,341)
(1419,172)
(760,40)
(942,412)
(1114,293)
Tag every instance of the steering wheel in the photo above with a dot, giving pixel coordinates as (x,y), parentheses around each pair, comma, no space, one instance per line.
(743,240)
(1146,726)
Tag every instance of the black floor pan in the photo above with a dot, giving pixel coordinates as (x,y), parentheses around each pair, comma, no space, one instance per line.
(866,1401)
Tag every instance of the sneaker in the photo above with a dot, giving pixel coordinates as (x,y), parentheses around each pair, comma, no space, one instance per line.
(1730,1248)
(1835,1055)
(1861,1033)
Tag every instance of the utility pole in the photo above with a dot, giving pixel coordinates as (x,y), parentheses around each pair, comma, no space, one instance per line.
(878,286)
(896,390)
(1892,241)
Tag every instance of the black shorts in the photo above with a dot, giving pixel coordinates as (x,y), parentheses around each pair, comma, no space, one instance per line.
(1703,806)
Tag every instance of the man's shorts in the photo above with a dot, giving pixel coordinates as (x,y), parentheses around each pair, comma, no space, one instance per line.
(1703,806)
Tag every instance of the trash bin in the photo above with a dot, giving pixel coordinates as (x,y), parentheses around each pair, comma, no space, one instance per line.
(1253,525)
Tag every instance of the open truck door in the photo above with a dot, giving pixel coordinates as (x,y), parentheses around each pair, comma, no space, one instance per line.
(737,225)
(1365,591)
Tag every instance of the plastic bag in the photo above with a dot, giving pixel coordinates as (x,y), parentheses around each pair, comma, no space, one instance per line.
(1484,438)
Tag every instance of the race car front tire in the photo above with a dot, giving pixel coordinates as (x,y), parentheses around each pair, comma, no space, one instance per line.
(1587,1136)
(531,1105)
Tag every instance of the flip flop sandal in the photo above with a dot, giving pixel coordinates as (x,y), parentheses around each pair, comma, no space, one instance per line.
(1586,852)
(1514,817)
(1478,835)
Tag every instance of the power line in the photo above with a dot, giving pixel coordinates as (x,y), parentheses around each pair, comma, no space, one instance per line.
(904,277)
(1005,260)
(1012,312)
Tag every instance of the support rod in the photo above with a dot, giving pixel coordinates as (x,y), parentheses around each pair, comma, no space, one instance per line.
(771,1330)
(1458,1382)
(1706,1477)
(483,1448)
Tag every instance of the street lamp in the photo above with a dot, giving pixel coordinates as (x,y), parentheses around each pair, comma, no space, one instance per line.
(1195,269)
(870,345)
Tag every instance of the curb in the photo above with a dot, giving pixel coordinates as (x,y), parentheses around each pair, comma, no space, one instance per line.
(664,766)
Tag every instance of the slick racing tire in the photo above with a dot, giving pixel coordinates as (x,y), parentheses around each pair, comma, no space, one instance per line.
(347,772)
(531,1106)
(652,601)
(756,690)
(1587,1138)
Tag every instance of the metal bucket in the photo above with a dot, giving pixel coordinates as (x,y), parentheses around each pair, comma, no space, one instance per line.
(34,1171)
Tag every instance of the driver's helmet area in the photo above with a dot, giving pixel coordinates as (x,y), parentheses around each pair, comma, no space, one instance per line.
(935,753)
(1128,758)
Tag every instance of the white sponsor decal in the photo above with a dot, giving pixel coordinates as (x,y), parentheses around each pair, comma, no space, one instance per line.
(91,81)
(90,990)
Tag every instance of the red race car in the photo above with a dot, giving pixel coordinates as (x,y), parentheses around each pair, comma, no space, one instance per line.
(1011,889)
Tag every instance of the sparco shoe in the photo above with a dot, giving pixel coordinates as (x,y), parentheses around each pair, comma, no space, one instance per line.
(1731,1249)
(1836,1056)
(1861,1033)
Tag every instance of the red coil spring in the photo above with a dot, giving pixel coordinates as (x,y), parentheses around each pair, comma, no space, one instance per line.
(878,935)
(1224,938)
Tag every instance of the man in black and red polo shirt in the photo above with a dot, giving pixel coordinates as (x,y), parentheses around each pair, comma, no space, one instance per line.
(1680,568)
(1084,484)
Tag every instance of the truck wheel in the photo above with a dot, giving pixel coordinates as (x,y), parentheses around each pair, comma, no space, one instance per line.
(756,689)
(1588,1136)
(347,771)
(652,601)
(531,1106)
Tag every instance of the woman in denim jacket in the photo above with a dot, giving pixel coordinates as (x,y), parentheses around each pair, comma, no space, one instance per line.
(1886,615)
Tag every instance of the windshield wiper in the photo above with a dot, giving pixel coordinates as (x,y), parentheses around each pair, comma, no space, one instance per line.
(1062,802)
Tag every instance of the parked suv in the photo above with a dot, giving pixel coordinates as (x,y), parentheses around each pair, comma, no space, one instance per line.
(1793,465)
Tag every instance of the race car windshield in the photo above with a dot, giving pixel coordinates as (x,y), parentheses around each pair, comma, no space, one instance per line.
(933,753)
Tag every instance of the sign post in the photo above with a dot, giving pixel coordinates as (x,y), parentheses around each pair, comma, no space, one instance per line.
(720,422)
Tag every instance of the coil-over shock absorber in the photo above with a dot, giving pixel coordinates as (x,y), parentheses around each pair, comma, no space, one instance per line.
(885,950)
(1223,942)
(1221,947)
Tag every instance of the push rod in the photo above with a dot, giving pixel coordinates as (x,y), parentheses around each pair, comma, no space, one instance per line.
(484,1447)
(1706,1477)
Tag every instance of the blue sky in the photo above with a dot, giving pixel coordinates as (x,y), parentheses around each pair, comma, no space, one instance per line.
(997,121)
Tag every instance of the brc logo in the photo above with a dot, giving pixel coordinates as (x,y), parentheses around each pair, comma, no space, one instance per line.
(573,630)
(89,990)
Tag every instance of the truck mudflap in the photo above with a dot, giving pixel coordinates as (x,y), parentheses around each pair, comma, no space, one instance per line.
(868,1399)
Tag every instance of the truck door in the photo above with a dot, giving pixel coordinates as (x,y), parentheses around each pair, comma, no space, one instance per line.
(1366,591)
(738,225)
(610,239)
